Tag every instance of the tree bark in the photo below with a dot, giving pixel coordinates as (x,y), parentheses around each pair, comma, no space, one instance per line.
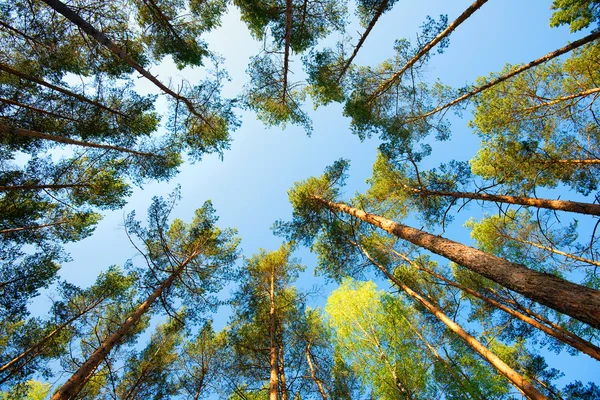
(32,227)
(42,187)
(39,110)
(559,205)
(362,39)
(78,379)
(41,344)
(286,50)
(312,372)
(571,46)
(566,337)
(564,98)
(397,75)
(6,68)
(577,301)
(6,130)
(273,381)
(101,38)
(514,377)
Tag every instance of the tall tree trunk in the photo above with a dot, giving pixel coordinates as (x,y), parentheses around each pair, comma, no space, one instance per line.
(577,301)
(22,75)
(313,373)
(6,130)
(38,110)
(273,381)
(564,98)
(362,39)
(559,205)
(552,250)
(70,388)
(34,350)
(397,75)
(571,46)
(32,227)
(514,377)
(287,45)
(42,187)
(564,336)
(101,38)
(282,380)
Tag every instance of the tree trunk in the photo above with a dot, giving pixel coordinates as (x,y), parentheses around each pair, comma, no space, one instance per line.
(364,36)
(6,130)
(312,372)
(39,110)
(41,187)
(6,68)
(273,381)
(577,301)
(36,348)
(563,336)
(32,228)
(284,393)
(564,98)
(101,38)
(514,377)
(70,388)
(559,205)
(397,75)
(286,50)
(571,46)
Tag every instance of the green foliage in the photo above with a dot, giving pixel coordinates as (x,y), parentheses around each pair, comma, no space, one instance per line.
(578,14)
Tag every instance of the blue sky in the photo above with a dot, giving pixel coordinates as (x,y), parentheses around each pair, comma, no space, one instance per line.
(249,186)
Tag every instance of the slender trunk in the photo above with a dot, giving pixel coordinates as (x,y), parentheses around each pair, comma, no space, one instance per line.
(591,161)
(442,360)
(560,205)
(42,187)
(552,250)
(39,110)
(570,338)
(39,346)
(397,75)
(273,381)
(514,377)
(6,68)
(286,50)
(312,372)
(78,379)
(6,130)
(32,228)
(282,382)
(577,301)
(571,46)
(362,39)
(24,35)
(101,38)
(564,98)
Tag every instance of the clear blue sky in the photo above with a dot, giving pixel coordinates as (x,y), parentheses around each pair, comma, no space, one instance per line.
(248,188)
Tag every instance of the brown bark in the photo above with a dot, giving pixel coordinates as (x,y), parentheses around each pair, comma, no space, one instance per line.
(514,377)
(559,205)
(6,68)
(564,98)
(571,339)
(273,381)
(577,301)
(39,346)
(39,110)
(312,372)
(78,379)
(286,50)
(32,227)
(552,250)
(571,46)
(397,75)
(362,39)
(101,38)
(9,130)
(41,187)
(284,393)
